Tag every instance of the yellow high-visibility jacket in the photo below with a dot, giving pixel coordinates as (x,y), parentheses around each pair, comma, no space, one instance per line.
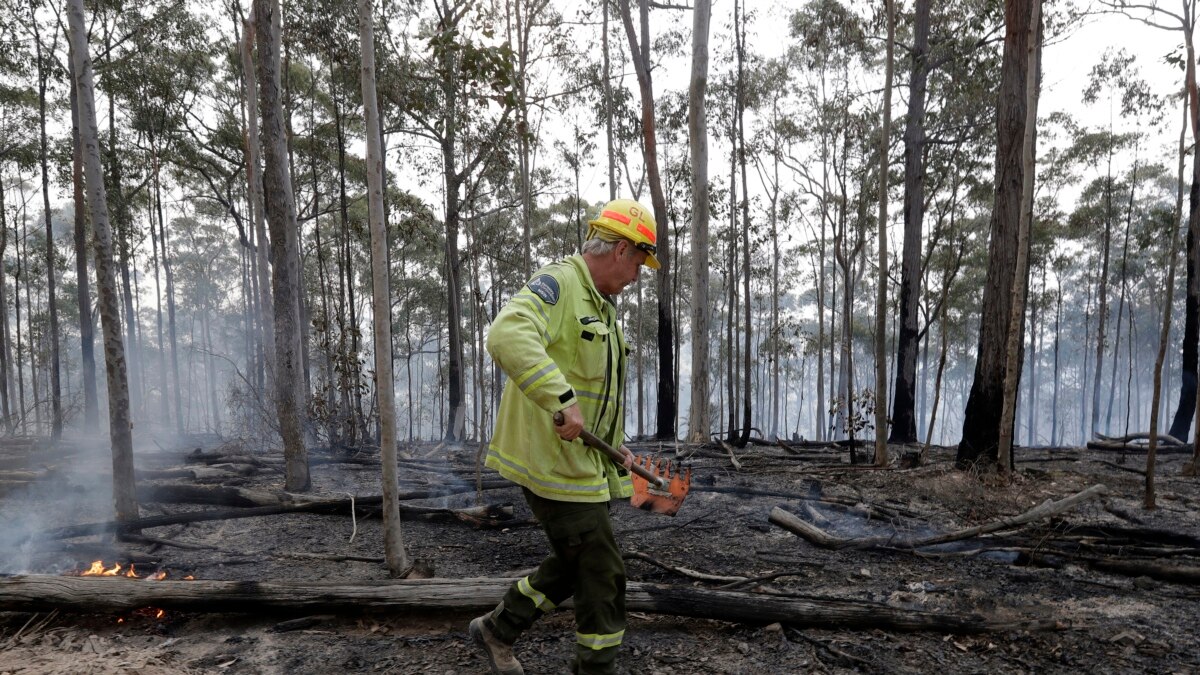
(559,342)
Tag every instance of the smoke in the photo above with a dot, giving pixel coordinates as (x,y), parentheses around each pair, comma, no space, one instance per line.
(73,486)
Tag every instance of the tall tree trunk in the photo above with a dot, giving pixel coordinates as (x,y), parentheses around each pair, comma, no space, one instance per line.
(665,427)
(155,259)
(1020,286)
(393,539)
(1055,440)
(904,426)
(1189,116)
(881,416)
(120,426)
(608,109)
(56,420)
(169,274)
(982,417)
(266,332)
(6,361)
(739,21)
(1102,313)
(699,415)
(1182,422)
(281,216)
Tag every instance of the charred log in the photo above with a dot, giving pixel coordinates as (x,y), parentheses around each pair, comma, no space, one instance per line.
(110,594)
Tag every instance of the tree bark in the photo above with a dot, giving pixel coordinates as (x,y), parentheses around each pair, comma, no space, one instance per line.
(699,417)
(881,416)
(739,29)
(56,420)
(981,419)
(281,217)
(904,423)
(254,185)
(667,404)
(393,537)
(1016,320)
(34,593)
(1182,422)
(120,425)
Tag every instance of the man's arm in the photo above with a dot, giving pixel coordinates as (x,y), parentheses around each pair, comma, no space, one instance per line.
(517,341)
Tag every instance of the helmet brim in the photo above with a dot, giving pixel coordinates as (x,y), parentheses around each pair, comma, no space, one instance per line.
(652,261)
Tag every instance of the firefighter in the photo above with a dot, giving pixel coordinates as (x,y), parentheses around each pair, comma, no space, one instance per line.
(559,343)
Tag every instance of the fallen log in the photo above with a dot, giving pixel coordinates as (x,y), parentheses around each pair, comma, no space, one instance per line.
(820,537)
(219,495)
(116,594)
(1163,439)
(485,516)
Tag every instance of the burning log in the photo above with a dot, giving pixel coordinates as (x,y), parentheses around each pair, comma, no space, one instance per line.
(114,594)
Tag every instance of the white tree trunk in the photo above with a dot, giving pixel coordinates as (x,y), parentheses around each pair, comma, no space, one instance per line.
(120,428)
(393,538)
(285,273)
(699,418)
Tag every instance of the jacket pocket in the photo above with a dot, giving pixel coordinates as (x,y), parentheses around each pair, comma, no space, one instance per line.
(593,353)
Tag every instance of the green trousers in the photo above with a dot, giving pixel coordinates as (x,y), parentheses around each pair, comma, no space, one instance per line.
(584,563)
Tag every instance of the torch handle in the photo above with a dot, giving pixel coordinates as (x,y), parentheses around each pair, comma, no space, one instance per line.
(614,454)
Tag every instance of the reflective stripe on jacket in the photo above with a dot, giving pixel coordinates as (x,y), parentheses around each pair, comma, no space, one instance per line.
(559,342)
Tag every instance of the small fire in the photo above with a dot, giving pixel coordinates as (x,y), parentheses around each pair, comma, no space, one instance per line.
(97,570)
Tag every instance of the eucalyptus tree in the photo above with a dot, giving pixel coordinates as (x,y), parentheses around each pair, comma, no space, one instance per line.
(828,42)
(1181,18)
(120,424)
(944,51)
(281,217)
(83,295)
(984,409)
(639,48)
(458,94)
(18,150)
(699,419)
(43,75)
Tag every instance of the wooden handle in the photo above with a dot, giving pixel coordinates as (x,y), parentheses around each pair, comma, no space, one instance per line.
(614,454)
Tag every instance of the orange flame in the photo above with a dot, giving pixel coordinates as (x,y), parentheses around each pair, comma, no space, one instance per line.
(97,570)
(158,576)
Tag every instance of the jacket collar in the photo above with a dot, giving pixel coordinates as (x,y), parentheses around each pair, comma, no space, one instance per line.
(585,275)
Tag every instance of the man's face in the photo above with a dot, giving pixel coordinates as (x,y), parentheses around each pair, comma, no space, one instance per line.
(627,262)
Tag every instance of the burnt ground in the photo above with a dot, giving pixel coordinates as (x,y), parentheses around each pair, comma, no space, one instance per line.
(1118,622)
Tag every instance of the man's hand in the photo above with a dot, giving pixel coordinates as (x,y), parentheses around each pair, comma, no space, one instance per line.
(572,424)
(628,457)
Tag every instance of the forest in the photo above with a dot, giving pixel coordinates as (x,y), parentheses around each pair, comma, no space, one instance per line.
(933,260)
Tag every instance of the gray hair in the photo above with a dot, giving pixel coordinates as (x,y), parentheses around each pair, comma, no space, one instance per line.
(597,246)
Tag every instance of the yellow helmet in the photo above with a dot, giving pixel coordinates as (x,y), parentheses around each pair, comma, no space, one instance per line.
(629,220)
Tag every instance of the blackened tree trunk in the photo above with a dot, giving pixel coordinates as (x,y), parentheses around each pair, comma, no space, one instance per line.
(904,421)
(1020,286)
(667,404)
(120,427)
(1181,424)
(281,217)
(739,28)
(981,420)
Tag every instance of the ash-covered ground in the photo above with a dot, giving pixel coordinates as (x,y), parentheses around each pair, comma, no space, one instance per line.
(1105,571)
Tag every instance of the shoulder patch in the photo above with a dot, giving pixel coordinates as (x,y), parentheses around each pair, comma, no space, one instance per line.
(546,288)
